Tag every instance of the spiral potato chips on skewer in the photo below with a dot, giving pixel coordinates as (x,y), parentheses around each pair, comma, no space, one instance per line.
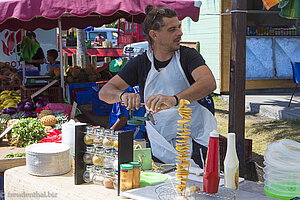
(183,146)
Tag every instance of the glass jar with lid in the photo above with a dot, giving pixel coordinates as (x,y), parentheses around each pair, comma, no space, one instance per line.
(88,155)
(89,138)
(98,140)
(100,130)
(108,181)
(116,144)
(98,176)
(109,132)
(116,182)
(109,162)
(98,157)
(126,174)
(136,174)
(88,174)
(108,142)
(90,129)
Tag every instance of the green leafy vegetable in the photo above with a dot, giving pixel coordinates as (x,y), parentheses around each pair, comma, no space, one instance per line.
(27,131)
(15,155)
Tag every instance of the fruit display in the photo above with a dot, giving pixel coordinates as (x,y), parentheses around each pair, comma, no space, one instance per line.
(8,101)
(88,74)
(54,73)
(9,76)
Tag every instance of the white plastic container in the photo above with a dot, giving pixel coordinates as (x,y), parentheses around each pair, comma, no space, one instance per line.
(48,159)
(68,134)
(282,172)
(231,164)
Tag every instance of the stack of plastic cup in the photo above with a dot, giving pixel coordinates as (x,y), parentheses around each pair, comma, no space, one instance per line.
(282,171)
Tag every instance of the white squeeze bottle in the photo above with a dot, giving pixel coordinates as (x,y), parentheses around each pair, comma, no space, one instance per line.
(231,164)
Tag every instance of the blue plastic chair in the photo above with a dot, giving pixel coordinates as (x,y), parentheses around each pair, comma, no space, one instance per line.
(296,77)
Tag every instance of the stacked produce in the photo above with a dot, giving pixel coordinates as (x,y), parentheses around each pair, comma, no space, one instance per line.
(20,115)
(9,76)
(9,101)
(54,73)
(27,131)
(88,74)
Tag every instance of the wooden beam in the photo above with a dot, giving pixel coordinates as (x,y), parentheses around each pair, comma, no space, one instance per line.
(263,84)
(237,77)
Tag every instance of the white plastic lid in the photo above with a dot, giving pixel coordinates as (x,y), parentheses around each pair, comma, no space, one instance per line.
(45,148)
(214,133)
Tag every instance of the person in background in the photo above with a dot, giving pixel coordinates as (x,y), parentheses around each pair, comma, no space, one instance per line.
(98,40)
(39,57)
(52,55)
(166,73)
(120,115)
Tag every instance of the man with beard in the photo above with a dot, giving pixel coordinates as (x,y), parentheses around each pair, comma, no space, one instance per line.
(166,73)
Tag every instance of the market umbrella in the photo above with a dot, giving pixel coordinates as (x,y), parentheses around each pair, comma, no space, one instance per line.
(48,14)
(33,14)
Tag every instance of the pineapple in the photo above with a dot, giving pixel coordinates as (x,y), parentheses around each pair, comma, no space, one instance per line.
(44,113)
(48,120)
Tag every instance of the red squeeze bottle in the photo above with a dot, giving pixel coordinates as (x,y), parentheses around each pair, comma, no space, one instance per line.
(211,176)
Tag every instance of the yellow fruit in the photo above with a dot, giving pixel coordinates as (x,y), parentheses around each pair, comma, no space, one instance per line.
(13,93)
(4,96)
(12,105)
(4,92)
(6,102)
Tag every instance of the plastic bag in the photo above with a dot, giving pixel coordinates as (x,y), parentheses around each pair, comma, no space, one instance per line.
(54,135)
(57,107)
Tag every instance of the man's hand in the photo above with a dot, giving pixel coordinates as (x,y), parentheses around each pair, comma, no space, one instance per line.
(158,102)
(131,100)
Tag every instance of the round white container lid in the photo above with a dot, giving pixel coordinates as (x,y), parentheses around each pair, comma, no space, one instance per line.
(47,148)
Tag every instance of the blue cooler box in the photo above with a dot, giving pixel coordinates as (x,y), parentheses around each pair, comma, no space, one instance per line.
(100,108)
(84,97)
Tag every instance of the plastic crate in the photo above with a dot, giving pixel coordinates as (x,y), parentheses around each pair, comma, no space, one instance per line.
(100,108)
(29,73)
(83,97)
(73,86)
(54,93)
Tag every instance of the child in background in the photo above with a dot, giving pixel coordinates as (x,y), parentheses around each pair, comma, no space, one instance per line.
(52,55)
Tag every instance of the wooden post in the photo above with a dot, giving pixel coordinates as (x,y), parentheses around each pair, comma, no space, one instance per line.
(94,61)
(74,62)
(237,77)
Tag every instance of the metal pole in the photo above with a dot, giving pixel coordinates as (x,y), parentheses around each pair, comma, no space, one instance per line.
(62,71)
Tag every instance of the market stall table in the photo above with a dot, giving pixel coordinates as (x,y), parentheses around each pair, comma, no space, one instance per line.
(17,181)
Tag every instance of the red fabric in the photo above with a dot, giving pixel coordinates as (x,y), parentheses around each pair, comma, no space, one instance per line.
(54,136)
(33,14)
